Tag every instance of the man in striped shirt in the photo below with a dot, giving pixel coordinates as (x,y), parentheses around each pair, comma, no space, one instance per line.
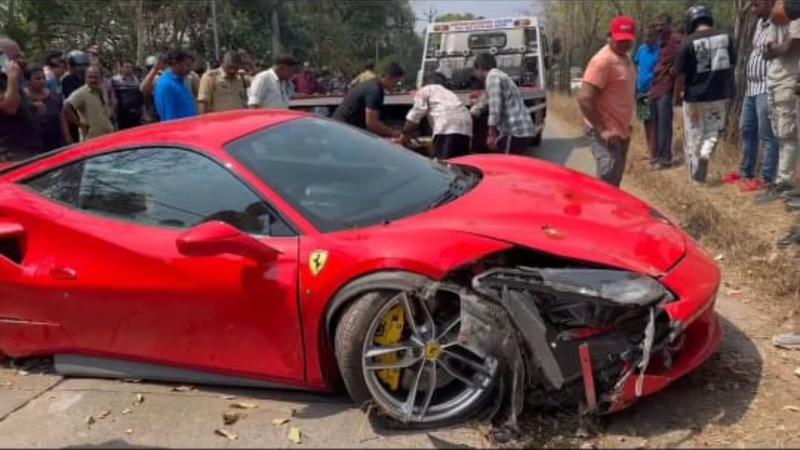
(755,123)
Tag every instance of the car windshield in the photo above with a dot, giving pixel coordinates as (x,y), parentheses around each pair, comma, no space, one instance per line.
(340,177)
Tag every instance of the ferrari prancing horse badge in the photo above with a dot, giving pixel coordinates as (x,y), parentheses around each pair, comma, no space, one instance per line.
(317,260)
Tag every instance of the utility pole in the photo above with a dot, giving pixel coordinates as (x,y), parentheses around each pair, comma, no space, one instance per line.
(216,33)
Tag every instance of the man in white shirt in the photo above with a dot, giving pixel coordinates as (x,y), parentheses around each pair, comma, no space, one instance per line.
(450,119)
(272,88)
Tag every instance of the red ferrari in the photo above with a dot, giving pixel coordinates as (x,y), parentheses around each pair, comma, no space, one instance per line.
(280,249)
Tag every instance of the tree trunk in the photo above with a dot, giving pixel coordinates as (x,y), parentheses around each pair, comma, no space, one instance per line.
(277,46)
(140,32)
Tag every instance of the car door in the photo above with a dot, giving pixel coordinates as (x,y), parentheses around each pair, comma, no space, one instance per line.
(129,294)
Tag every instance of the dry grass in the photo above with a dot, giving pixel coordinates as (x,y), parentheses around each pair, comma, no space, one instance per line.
(726,221)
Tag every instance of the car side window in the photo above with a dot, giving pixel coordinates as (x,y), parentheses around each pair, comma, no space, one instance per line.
(160,186)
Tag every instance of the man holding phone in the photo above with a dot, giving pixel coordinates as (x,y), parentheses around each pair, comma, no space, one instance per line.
(20,136)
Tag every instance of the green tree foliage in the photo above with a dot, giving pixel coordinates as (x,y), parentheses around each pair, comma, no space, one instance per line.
(339,34)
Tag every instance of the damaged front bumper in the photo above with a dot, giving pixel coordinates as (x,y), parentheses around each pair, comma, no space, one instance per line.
(594,338)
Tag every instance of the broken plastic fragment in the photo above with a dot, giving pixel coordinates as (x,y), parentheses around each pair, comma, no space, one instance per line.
(226,434)
(294,435)
(243,405)
(182,389)
(647,345)
(231,417)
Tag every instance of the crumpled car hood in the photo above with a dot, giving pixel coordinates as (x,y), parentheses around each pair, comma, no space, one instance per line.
(561,212)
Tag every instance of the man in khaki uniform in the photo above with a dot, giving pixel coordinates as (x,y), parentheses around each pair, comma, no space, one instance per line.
(783,53)
(89,108)
(223,89)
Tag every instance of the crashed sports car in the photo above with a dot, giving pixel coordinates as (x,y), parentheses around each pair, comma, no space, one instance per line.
(280,249)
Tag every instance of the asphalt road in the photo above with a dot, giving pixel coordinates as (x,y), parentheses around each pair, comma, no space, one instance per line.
(40,409)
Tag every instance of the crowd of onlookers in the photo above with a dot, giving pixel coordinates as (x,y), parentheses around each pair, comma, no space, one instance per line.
(696,71)
(76,96)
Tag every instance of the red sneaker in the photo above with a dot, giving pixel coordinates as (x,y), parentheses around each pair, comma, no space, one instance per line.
(753,185)
(731,178)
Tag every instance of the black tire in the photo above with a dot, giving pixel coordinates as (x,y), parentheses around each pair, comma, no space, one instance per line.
(351,332)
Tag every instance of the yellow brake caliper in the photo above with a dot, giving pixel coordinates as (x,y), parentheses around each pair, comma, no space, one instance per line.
(390,334)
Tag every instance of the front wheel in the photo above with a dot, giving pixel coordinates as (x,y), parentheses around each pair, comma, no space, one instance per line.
(401,351)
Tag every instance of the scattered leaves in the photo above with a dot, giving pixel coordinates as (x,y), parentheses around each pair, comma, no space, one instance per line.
(279,421)
(231,417)
(226,434)
(183,389)
(294,435)
(243,405)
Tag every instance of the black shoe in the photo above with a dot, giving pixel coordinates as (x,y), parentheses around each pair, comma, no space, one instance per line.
(772,193)
(793,238)
(791,195)
(701,171)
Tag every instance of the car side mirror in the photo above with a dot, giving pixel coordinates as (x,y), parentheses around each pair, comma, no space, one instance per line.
(216,238)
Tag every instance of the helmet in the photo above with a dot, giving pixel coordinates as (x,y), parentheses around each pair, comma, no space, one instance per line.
(77,58)
(696,13)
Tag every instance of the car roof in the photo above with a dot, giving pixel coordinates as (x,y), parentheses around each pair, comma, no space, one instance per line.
(207,131)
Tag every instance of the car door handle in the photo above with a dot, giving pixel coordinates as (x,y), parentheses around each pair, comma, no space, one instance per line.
(63,273)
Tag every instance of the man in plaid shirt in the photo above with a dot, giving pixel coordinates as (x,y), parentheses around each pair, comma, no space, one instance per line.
(510,124)
(449,118)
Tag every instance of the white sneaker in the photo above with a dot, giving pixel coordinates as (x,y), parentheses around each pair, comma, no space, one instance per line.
(789,341)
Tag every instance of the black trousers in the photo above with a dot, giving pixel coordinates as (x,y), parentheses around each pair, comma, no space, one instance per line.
(514,145)
(450,145)
(662,123)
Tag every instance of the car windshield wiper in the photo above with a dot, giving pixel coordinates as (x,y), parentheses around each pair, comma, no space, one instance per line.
(458,186)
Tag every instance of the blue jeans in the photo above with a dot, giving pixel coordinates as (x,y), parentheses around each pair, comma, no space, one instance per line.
(756,125)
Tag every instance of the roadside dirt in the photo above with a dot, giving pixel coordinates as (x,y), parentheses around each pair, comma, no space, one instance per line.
(745,396)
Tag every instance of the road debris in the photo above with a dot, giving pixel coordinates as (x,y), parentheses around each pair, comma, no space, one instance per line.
(226,434)
(139,399)
(228,397)
(735,292)
(243,405)
(183,389)
(129,431)
(279,421)
(719,258)
(126,411)
(294,435)
(231,417)
(90,420)
(791,408)
(22,372)
(797,371)
(104,414)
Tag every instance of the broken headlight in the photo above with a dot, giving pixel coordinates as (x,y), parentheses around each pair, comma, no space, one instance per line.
(617,286)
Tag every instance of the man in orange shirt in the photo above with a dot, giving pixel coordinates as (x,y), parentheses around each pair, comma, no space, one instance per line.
(608,100)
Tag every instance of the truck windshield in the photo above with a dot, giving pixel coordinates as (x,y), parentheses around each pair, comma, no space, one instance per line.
(339,177)
(487,40)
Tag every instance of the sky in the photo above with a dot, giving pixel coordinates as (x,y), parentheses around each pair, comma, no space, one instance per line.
(486,8)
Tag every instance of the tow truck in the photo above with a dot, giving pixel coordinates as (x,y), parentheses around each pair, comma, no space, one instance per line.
(518,43)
